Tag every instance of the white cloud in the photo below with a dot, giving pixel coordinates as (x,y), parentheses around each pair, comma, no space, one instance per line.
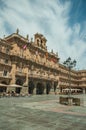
(50,18)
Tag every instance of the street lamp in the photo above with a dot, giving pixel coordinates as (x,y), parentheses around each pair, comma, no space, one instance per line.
(70,64)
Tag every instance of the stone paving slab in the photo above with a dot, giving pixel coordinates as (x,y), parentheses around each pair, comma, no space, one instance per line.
(41,112)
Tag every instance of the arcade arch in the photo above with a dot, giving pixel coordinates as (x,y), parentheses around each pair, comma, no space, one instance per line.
(30,87)
(39,88)
(48,87)
(18,82)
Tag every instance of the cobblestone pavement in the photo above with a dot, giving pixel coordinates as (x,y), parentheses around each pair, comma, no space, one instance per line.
(41,112)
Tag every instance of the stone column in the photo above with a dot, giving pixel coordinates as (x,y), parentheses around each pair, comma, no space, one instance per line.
(56,87)
(25,88)
(26,82)
(13,72)
(34,90)
(52,88)
(83,90)
(45,90)
(44,87)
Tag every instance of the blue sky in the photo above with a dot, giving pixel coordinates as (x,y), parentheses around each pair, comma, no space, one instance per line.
(62,22)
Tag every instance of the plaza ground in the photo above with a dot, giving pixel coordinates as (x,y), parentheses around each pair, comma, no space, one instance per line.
(41,112)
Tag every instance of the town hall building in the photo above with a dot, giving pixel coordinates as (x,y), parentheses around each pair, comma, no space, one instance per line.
(26,66)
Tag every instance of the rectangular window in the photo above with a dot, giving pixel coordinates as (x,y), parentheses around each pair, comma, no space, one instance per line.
(7,50)
(5,73)
(21,53)
(6,61)
(20,70)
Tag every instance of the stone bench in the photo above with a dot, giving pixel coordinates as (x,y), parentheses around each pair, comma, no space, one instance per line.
(76,101)
(69,101)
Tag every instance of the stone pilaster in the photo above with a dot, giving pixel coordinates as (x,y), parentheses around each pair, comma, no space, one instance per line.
(44,87)
(52,88)
(84,91)
(34,90)
(45,90)
(24,90)
(13,72)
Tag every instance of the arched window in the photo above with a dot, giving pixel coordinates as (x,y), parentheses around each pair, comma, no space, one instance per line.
(41,41)
(38,42)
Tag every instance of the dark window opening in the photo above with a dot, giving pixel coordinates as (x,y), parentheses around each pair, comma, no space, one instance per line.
(7,50)
(5,73)
(6,61)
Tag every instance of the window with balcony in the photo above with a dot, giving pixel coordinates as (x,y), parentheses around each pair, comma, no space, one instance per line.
(5,73)
(21,53)
(6,61)
(38,42)
(7,50)
(20,70)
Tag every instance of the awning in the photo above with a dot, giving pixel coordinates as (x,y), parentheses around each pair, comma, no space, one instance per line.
(72,89)
(15,86)
(3,85)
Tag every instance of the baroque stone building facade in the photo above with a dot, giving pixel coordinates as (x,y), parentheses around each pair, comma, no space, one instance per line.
(28,64)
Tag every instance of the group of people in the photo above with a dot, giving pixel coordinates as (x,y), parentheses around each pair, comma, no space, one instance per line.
(13,94)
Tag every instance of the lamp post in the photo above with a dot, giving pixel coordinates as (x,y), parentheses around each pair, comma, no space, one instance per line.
(70,64)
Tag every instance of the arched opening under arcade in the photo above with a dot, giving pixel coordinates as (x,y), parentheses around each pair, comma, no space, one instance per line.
(48,87)
(30,87)
(18,89)
(39,88)
(55,86)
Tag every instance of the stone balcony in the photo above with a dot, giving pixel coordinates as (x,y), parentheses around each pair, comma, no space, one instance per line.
(8,76)
(34,61)
(42,77)
(82,85)
(19,73)
(5,64)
